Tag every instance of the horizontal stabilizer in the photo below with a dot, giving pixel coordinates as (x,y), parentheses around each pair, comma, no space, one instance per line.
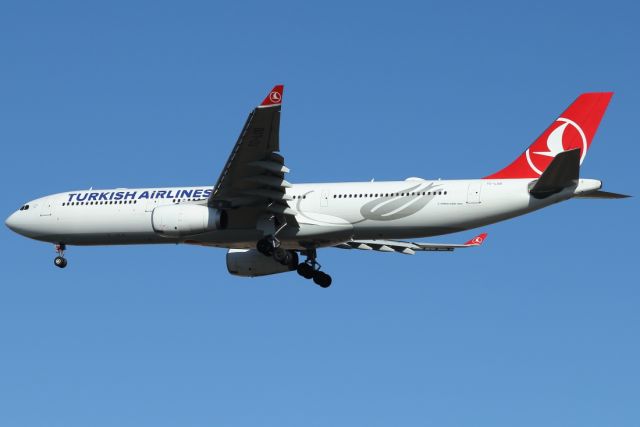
(601,195)
(562,172)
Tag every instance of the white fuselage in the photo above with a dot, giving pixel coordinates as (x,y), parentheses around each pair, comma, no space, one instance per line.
(328,213)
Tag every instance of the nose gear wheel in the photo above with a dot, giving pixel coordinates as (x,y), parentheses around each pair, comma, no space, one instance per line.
(60,261)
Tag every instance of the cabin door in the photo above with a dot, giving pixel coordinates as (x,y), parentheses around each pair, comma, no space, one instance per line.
(324,198)
(473,192)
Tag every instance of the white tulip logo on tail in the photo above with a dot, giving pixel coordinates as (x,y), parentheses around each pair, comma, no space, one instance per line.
(557,142)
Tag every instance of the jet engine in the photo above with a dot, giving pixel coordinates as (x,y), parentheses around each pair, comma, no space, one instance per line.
(251,263)
(185,220)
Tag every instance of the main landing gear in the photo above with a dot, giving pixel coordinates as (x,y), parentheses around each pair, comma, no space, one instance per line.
(60,261)
(309,269)
(270,246)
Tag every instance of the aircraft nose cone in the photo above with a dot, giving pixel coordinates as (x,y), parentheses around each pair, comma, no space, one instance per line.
(12,222)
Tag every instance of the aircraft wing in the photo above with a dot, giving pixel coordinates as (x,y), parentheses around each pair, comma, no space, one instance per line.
(254,172)
(408,248)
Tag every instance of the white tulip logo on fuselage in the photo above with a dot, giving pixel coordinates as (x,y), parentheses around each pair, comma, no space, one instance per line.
(555,145)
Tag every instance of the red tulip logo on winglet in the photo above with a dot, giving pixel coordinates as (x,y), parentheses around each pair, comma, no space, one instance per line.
(275,97)
(477,241)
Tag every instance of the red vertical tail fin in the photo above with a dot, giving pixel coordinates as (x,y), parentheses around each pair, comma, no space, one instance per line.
(575,128)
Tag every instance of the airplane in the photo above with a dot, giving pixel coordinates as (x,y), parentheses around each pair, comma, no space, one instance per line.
(267,223)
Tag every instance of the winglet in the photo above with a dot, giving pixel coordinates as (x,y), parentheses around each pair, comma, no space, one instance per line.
(274,97)
(477,241)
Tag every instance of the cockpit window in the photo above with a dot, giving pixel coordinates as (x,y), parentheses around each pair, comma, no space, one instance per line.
(24,208)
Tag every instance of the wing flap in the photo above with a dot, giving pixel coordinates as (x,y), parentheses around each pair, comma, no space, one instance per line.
(270,166)
(269,181)
(278,208)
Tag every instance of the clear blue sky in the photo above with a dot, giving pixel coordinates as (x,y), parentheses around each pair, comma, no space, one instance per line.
(538,327)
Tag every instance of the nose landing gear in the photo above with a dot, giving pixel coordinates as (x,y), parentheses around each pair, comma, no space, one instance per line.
(310,269)
(60,261)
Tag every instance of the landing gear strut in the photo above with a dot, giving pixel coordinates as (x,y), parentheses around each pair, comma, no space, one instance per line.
(60,261)
(310,269)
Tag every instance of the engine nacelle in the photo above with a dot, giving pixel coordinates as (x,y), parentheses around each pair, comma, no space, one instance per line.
(251,263)
(184,220)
